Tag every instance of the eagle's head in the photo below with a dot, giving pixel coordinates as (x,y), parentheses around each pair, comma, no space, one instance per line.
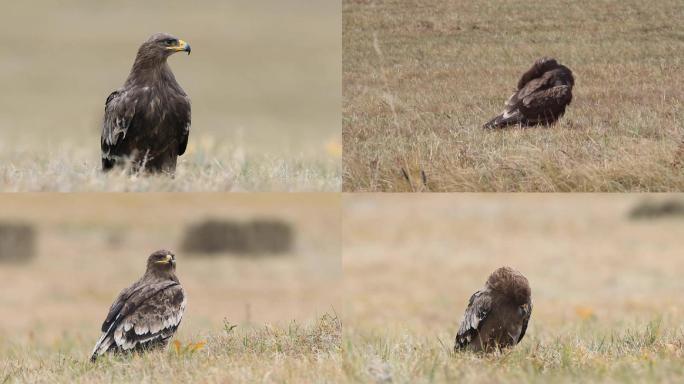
(161,262)
(163,45)
(511,283)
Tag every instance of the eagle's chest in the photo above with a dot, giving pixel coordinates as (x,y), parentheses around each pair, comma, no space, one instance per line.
(504,324)
(157,105)
(157,123)
(159,111)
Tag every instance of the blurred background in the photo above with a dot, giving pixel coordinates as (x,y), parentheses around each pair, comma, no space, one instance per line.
(413,261)
(263,76)
(248,259)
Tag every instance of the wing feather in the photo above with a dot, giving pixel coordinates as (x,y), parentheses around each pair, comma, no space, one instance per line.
(551,99)
(119,114)
(137,317)
(526,319)
(185,131)
(479,307)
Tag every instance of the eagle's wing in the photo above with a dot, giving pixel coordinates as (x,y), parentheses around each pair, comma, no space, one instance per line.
(118,303)
(146,314)
(546,104)
(479,307)
(512,113)
(185,131)
(119,113)
(533,86)
(526,319)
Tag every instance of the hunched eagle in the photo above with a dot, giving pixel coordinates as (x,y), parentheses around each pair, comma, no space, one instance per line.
(145,315)
(543,93)
(147,121)
(497,315)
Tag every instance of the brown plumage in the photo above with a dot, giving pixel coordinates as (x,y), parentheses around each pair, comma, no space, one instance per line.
(145,315)
(497,315)
(542,95)
(147,121)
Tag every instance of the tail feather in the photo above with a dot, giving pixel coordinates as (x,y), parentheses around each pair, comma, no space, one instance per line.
(103,343)
(502,120)
(100,347)
(107,164)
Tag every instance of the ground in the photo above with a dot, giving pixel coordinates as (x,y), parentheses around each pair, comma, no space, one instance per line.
(265,93)
(421,77)
(605,287)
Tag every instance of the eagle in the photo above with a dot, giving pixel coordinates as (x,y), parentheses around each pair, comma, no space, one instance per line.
(543,93)
(145,315)
(497,315)
(147,121)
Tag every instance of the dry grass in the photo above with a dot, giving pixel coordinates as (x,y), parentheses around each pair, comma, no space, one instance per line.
(291,353)
(606,288)
(216,168)
(420,78)
(649,352)
(265,93)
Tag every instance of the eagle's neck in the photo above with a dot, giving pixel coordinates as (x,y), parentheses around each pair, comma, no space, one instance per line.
(148,71)
(161,274)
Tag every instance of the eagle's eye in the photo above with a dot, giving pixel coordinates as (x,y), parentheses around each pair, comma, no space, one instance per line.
(170,42)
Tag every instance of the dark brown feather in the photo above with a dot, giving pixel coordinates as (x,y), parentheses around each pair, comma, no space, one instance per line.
(146,314)
(147,121)
(543,93)
(497,315)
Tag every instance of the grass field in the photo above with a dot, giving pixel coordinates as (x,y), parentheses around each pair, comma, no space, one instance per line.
(606,288)
(284,306)
(265,92)
(292,353)
(420,78)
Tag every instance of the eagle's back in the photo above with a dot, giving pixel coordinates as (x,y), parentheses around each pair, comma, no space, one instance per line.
(143,316)
(492,320)
(543,94)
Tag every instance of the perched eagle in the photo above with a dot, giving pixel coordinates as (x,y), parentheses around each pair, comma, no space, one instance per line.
(542,95)
(497,315)
(147,121)
(145,315)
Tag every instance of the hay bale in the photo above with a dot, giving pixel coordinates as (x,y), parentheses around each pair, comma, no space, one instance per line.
(17,242)
(214,236)
(270,236)
(648,209)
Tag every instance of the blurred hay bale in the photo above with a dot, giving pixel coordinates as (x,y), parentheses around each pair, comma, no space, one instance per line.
(648,209)
(270,236)
(115,239)
(17,242)
(263,236)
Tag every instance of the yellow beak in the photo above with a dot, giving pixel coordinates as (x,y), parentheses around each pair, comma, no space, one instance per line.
(182,46)
(166,260)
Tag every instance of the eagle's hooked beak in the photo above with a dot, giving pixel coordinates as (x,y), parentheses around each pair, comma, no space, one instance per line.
(167,259)
(182,46)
